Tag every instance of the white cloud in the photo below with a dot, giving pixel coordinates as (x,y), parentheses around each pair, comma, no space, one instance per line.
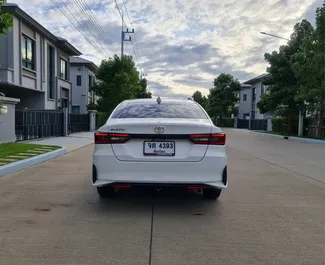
(224,35)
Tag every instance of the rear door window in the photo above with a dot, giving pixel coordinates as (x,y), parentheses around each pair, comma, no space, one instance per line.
(177,110)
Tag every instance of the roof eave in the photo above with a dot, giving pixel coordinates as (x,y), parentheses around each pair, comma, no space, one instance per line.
(63,45)
(91,66)
(68,48)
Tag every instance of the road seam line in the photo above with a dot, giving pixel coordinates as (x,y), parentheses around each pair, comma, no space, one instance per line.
(151,228)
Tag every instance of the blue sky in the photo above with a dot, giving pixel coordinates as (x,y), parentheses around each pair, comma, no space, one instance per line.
(182,45)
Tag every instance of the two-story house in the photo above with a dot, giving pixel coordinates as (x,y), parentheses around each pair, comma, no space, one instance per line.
(34,63)
(250,95)
(82,76)
(245,104)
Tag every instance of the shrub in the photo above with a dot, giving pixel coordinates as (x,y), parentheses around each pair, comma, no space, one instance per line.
(226,122)
(101,118)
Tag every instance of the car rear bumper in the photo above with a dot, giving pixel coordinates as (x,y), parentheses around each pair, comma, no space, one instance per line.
(210,172)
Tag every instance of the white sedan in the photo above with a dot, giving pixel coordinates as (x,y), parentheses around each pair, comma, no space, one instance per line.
(159,143)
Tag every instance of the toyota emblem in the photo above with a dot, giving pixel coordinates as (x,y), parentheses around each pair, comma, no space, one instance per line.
(159,129)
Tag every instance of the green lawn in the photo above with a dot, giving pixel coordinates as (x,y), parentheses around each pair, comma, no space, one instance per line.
(17,149)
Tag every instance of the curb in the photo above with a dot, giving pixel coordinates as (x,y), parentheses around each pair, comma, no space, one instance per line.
(22,164)
(268,134)
(291,138)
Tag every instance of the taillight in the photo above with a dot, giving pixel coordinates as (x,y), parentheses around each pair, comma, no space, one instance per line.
(111,138)
(118,138)
(208,139)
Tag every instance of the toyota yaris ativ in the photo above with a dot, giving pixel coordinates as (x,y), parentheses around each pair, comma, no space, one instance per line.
(160,143)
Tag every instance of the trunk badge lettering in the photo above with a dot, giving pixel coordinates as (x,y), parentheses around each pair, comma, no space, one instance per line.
(117,130)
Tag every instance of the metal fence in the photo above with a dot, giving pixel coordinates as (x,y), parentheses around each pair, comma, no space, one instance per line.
(242,124)
(78,123)
(34,124)
(259,125)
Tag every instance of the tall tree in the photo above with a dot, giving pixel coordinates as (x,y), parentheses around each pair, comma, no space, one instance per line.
(223,97)
(118,79)
(309,68)
(143,92)
(199,98)
(283,85)
(6,20)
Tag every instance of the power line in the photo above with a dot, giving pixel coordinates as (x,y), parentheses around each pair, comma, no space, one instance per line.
(135,43)
(135,36)
(94,21)
(79,27)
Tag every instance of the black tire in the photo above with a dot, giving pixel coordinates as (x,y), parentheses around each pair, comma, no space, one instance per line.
(105,191)
(212,194)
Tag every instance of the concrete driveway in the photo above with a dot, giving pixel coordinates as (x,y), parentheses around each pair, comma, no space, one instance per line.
(50,214)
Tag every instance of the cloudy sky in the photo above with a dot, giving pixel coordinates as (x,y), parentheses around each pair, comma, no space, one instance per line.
(182,45)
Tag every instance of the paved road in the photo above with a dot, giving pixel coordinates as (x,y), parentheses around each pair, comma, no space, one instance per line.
(49,214)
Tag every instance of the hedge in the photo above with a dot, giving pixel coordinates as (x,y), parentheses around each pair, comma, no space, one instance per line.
(226,122)
(101,118)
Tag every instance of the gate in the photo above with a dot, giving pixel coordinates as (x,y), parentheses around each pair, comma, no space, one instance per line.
(35,124)
(242,124)
(78,123)
(259,125)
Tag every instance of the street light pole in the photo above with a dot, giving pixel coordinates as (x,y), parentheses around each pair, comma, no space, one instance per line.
(301,120)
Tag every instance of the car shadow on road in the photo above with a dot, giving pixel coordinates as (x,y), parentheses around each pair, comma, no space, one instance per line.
(148,200)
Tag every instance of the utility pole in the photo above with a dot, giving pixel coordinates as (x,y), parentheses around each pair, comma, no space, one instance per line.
(123,39)
(142,75)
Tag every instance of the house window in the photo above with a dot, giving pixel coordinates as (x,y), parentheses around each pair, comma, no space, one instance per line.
(78,80)
(27,52)
(262,89)
(245,97)
(64,69)
(90,78)
(75,109)
(50,62)
(254,94)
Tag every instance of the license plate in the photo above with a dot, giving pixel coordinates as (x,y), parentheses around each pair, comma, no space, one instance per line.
(159,148)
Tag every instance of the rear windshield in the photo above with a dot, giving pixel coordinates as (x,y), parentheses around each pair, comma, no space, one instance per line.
(178,110)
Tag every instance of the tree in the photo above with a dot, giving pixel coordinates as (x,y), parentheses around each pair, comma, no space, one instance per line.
(143,92)
(309,69)
(118,80)
(199,98)
(6,20)
(283,85)
(223,97)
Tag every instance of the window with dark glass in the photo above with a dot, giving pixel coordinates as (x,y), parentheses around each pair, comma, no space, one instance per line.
(78,80)
(177,110)
(64,69)
(28,52)
(245,97)
(50,62)
(90,80)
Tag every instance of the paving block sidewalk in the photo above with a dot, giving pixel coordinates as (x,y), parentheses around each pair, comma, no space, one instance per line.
(72,142)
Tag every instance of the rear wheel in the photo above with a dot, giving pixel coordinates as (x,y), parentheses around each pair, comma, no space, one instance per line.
(212,194)
(105,191)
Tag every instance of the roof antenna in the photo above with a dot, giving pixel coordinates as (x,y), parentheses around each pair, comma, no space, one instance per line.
(158,100)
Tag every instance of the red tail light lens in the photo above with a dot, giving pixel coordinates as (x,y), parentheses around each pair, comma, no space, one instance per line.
(101,138)
(111,138)
(208,139)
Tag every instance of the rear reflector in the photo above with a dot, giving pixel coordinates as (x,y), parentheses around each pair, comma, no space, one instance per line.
(196,187)
(208,139)
(121,186)
(111,138)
